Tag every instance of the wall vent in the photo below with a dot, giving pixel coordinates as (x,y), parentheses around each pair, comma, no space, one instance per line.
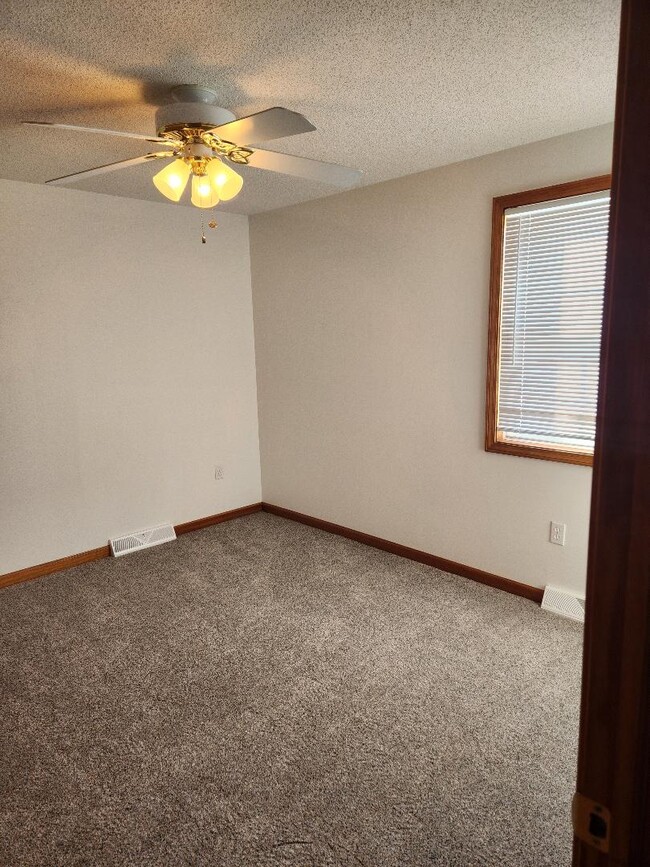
(143,539)
(564,603)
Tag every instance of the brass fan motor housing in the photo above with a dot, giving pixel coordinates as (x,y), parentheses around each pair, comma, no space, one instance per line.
(184,135)
(188,118)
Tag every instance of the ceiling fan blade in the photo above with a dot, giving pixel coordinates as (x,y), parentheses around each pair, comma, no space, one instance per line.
(109,167)
(93,129)
(265,125)
(301,167)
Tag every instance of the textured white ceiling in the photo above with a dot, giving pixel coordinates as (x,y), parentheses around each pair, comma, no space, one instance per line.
(392,87)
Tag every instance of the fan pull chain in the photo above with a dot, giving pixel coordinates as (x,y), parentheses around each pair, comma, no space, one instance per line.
(212,224)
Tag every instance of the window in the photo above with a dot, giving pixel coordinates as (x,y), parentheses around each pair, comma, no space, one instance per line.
(549,249)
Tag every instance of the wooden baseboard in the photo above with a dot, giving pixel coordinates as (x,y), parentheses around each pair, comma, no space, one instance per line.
(200,523)
(59,565)
(515,587)
(62,563)
(525,590)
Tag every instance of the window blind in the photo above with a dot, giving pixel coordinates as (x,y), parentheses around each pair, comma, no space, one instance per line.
(551,315)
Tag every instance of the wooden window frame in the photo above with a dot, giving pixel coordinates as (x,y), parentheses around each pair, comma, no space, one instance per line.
(499,206)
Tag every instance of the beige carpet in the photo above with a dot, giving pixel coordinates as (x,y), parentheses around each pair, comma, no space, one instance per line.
(262,693)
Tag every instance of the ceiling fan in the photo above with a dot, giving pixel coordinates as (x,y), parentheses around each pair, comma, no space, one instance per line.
(203,139)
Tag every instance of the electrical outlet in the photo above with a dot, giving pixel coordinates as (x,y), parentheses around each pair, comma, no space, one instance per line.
(558,533)
(218,472)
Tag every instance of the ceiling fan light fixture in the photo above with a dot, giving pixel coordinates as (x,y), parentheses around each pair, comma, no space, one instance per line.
(225,180)
(172,180)
(204,194)
(204,140)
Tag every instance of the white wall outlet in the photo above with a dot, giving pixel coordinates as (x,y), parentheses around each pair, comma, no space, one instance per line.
(219,472)
(558,533)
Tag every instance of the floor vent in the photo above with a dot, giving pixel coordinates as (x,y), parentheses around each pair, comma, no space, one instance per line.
(564,603)
(144,539)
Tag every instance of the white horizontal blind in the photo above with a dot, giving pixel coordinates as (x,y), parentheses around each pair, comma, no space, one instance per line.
(551,315)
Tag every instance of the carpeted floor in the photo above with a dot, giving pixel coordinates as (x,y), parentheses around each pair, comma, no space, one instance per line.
(262,693)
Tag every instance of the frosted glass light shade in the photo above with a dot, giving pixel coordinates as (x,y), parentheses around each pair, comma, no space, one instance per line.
(224,179)
(204,194)
(172,180)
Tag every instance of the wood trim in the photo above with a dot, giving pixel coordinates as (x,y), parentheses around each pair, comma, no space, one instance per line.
(31,572)
(200,523)
(556,191)
(540,452)
(614,751)
(515,587)
(499,205)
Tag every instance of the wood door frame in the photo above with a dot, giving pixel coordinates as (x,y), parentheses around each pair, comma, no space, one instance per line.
(614,752)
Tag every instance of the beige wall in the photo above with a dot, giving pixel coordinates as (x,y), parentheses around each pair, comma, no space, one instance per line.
(126,370)
(371,332)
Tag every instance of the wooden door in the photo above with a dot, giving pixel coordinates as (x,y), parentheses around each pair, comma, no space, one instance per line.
(614,755)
